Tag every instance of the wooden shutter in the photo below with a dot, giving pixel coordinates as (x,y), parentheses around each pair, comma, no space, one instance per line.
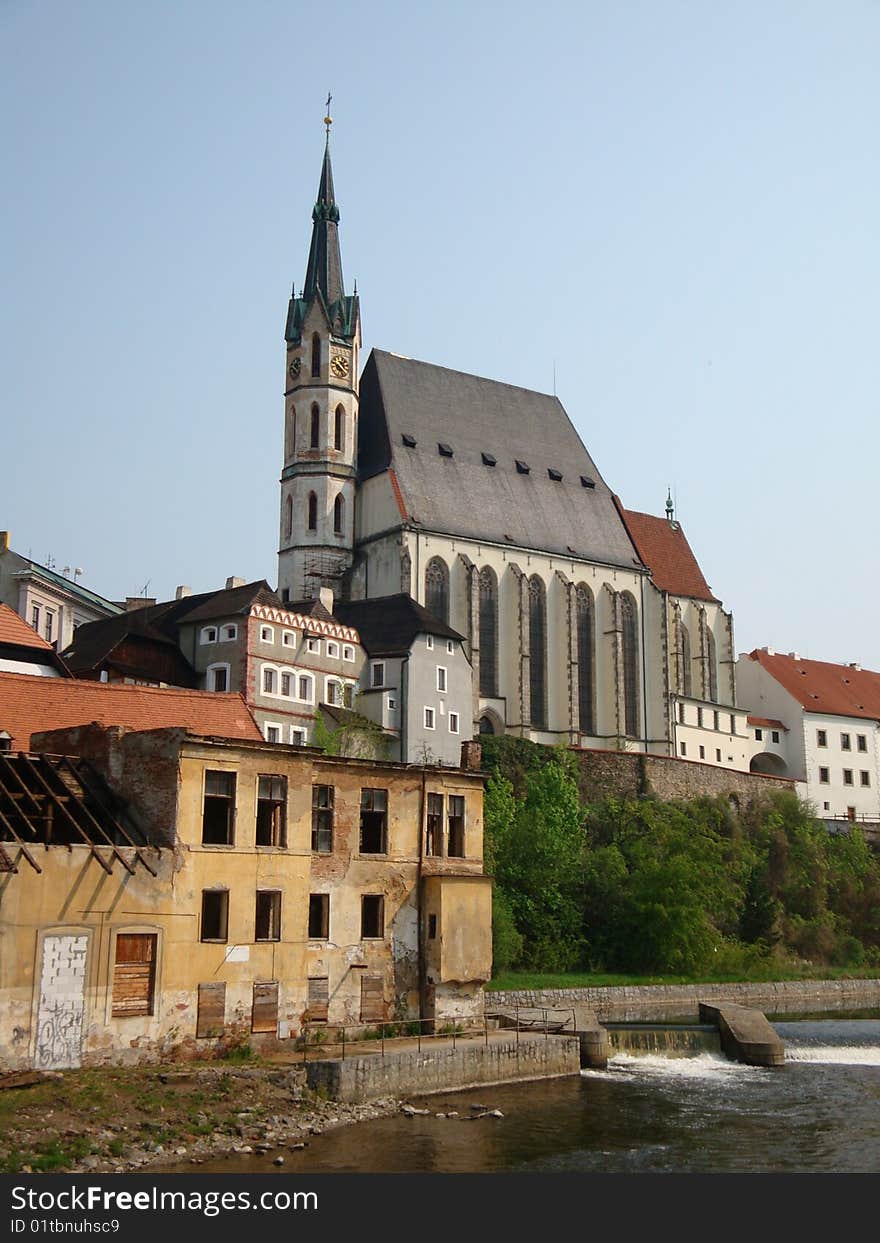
(134,974)
(372,999)
(319,999)
(212,1009)
(264,1014)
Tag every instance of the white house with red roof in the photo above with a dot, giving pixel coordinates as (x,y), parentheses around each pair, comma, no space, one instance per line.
(818,723)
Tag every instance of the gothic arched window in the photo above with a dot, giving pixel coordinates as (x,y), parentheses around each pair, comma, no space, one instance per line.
(585,648)
(313,512)
(437,588)
(338,514)
(488,623)
(713,666)
(538,652)
(316,355)
(630,638)
(339,429)
(685,680)
(315,428)
(288,517)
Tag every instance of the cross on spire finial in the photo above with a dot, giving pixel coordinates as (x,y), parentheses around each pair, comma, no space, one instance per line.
(328,120)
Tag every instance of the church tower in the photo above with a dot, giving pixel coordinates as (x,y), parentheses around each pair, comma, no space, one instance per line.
(323,338)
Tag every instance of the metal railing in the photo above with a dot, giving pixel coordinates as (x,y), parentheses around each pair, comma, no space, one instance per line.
(326,1040)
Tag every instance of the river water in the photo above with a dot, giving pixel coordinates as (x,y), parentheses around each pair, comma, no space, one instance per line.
(644,1114)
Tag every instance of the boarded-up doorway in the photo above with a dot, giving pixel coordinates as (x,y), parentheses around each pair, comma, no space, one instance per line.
(372,1000)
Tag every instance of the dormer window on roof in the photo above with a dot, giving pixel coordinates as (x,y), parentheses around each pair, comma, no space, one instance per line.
(489,459)
(409,441)
(587,482)
(555,475)
(522,468)
(444,449)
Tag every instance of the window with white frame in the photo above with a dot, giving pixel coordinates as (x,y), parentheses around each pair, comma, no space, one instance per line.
(453,722)
(441,678)
(272,730)
(429,642)
(333,692)
(286,684)
(298,736)
(305,691)
(208,634)
(270,680)
(218,677)
(267,634)
(313,645)
(392,704)
(228,633)
(377,673)
(332,649)
(450,647)
(347,651)
(288,638)
(429,718)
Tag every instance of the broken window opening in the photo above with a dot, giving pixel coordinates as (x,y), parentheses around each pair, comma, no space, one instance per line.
(271,811)
(455,840)
(374,822)
(372,916)
(218,811)
(215,915)
(434,828)
(268,915)
(319,916)
(322,819)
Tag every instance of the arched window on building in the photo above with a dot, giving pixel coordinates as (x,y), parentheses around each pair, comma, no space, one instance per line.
(288,517)
(437,588)
(538,652)
(290,438)
(630,638)
(339,514)
(316,355)
(315,429)
(313,512)
(339,429)
(713,666)
(685,668)
(488,632)
(585,650)
(485,725)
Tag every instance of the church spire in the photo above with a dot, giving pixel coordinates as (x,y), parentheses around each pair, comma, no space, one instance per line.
(324,268)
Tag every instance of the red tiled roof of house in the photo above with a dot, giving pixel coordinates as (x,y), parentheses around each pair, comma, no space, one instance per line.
(15,631)
(818,686)
(31,705)
(663,548)
(766,722)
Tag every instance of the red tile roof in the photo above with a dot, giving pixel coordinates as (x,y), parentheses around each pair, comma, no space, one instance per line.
(767,722)
(835,690)
(15,631)
(30,705)
(662,547)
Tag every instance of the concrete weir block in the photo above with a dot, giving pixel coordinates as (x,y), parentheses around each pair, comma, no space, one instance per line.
(746,1036)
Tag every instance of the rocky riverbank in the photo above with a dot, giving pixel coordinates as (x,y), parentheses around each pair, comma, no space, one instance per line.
(119,1120)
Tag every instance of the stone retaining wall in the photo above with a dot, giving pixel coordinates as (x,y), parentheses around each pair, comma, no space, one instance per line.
(444,1069)
(629,774)
(652,1001)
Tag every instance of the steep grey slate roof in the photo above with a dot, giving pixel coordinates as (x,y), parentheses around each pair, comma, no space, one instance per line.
(461,494)
(389,625)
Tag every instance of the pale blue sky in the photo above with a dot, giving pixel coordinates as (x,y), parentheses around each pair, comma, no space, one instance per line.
(676,203)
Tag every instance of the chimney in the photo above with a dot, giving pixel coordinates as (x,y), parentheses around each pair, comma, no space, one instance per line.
(182,592)
(852,665)
(771,651)
(4,541)
(138,602)
(325,595)
(232,581)
(795,655)
(471,756)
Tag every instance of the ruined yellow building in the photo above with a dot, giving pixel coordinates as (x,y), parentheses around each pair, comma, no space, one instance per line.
(163,893)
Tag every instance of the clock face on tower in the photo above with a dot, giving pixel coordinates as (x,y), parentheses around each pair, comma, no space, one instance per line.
(339,366)
(293,369)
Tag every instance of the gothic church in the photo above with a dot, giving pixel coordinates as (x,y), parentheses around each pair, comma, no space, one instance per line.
(585,623)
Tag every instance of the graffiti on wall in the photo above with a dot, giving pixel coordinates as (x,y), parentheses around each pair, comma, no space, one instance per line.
(60,1014)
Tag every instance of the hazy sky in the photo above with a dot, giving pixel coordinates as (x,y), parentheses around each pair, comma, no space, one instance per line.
(675,205)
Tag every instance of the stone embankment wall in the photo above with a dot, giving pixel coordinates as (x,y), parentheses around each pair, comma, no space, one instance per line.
(472,1063)
(628,775)
(653,1001)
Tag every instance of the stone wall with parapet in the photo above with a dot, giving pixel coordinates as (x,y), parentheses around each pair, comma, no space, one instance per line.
(655,1001)
(630,774)
(442,1068)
